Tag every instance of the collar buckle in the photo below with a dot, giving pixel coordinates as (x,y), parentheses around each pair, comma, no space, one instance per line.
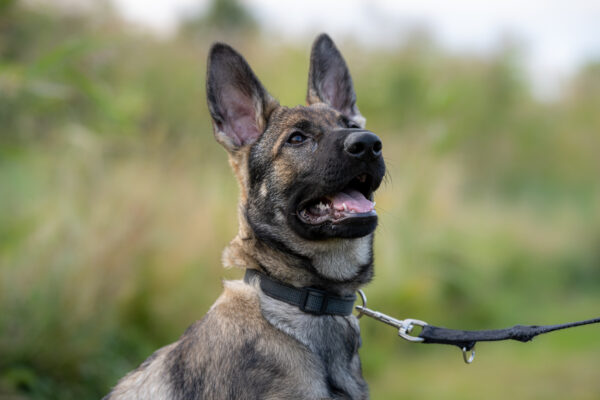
(314,301)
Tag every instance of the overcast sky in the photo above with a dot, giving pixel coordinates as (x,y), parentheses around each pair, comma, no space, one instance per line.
(557,36)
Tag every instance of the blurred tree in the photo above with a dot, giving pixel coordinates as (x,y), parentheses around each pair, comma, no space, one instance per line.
(227,16)
(5,5)
(585,88)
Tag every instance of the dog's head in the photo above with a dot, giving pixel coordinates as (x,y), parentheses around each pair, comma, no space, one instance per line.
(307,174)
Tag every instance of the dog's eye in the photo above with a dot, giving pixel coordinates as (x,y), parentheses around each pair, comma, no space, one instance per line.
(296,138)
(353,125)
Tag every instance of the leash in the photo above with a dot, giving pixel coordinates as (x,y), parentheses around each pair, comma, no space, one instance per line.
(465,340)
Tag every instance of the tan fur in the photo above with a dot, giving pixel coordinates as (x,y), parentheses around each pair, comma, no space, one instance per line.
(235,312)
(238,161)
(145,383)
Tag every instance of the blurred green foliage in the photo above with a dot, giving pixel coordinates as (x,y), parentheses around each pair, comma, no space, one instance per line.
(115,203)
(222,16)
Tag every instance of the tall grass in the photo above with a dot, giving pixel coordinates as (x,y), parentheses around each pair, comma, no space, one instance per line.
(115,203)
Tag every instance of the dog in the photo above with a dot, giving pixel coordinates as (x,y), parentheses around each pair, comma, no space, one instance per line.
(306,222)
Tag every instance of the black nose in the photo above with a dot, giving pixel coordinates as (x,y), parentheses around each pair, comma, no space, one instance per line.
(363,145)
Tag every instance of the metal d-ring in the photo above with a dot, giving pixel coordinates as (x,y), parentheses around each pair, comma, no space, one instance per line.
(406,328)
(468,357)
(363,297)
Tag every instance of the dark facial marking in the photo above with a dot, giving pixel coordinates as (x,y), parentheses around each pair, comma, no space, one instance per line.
(304,125)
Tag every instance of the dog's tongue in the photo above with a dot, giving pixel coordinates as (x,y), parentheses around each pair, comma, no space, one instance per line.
(353,201)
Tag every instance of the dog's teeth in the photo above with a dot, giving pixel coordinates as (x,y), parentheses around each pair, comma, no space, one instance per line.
(345,207)
(374,204)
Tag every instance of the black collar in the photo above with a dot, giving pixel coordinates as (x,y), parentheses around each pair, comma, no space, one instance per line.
(307,299)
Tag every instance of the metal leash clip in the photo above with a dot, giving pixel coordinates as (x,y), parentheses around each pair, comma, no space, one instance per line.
(405,326)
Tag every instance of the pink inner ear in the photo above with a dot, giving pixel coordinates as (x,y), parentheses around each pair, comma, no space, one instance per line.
(334,94)
(245,130)
(240,117)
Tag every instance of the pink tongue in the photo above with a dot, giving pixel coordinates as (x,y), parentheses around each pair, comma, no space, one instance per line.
(354,201)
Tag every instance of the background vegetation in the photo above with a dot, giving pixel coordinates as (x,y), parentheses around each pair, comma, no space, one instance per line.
(115,203)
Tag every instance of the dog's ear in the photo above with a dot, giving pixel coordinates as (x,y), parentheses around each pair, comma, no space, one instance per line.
(329,79)
(238,103)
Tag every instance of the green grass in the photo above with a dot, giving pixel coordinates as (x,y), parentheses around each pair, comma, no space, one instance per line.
(115,204)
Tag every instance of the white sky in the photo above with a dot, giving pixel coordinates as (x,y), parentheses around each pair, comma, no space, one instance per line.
(557,35)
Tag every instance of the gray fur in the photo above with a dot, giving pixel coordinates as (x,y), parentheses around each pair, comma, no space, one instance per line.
(333,339)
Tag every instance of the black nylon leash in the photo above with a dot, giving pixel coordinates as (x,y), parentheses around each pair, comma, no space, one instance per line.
(468,339)
(464,339)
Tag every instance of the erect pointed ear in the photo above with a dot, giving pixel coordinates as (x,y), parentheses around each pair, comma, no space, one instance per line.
(329,79)
(238,103)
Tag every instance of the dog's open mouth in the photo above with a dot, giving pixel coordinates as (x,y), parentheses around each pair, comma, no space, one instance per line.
(353,201)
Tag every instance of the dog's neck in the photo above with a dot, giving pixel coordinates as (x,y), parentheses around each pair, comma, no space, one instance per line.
(340,266)
(334,341)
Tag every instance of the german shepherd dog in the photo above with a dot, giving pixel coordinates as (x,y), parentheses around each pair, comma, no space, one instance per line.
(306,220)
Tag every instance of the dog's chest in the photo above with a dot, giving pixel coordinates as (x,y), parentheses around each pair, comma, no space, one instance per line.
(332,340)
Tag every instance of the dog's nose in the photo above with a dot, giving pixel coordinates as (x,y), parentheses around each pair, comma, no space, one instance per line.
(363,145)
